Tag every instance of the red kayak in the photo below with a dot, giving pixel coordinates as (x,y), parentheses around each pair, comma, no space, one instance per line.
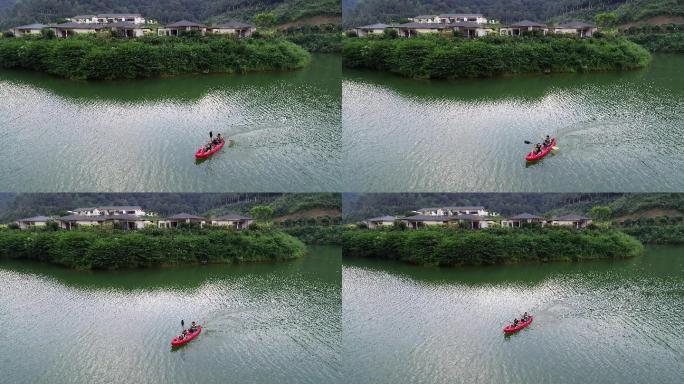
(202,153)
(176,342)
(545,151)
(515,328)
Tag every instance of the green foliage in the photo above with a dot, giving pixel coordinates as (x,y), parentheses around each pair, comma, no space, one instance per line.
(323,38)
(264,20)
(657,234)
(107,59)
(262,212)
(606,19)
(97,249)
(318,235)
(44,11)
(601,213)
(450,246)
(658,38)
(447,58)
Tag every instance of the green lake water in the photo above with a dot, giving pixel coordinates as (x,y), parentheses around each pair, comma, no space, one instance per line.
(263,323)
(618,131)
(595,322)
(59,135)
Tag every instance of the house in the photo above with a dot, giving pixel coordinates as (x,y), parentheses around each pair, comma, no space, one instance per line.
(414,28)
(108,18)
(524,218)
(471,30)
(110,210)
(232,220)
(575,221)
(425,19)
(182,218)
(128,29)
(454,210)
(469,221)
(74,221)
(450,18)
(32,222)
(372,29)
(128,222)
(381,221)
(578,28)
(179,27)
(522,27)
(71,28)
(31,29)
(233,28)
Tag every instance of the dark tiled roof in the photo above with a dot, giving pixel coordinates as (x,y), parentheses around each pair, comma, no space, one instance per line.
(185,23)
(427,218)
(232,217)
(572,218)
(119,15)
(81,218)
(454,208)
(233,25)
(461,15)
(183,216)
(528,23)
(35,219)
(374,26)
(523,216)
(576,25)
(74,25)
(415,25)
(32,26)
(383,218)
(424,16)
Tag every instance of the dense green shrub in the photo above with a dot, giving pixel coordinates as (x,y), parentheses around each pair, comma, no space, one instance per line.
(444,58)
(657,233)
(448,246)
(318,235)
(95,249)
(91,57)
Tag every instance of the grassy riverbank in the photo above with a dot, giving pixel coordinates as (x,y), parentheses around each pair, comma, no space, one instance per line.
(102,58)
(452,247)
(443,57)
(100,249)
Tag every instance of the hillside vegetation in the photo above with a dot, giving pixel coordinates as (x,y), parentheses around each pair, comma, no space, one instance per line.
(453,247)
(100,249)
(29,11)
(360,12)
(438,57)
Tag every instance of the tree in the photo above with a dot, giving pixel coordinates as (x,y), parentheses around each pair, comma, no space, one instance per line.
(601,213)
(262,212)
(47,34)
(606,19)
(264,19)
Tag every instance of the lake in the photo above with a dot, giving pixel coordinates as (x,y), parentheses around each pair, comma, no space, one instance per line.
(263,323)
(594,322)
(619,131)
(141,135)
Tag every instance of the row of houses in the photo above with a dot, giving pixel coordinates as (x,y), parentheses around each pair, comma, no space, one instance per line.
(473,26)
(473,218)
(131,25)
(131,218)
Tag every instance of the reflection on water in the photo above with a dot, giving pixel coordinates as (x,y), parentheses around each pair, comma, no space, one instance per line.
(594,322)
(60,135)
(616,131)
(262,323)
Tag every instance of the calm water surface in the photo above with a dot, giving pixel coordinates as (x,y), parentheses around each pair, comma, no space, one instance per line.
(616,131)
(595,322)
(264,323)
(62,135)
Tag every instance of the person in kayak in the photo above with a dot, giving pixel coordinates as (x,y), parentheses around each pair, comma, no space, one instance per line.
(193,327)
(515,322)
(220,138)
(547,141)
(537,148)
(525,317)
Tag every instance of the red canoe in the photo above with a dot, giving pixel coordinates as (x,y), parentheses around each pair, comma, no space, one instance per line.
(188,338)
(515,328)
(545,151)
(201,153)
